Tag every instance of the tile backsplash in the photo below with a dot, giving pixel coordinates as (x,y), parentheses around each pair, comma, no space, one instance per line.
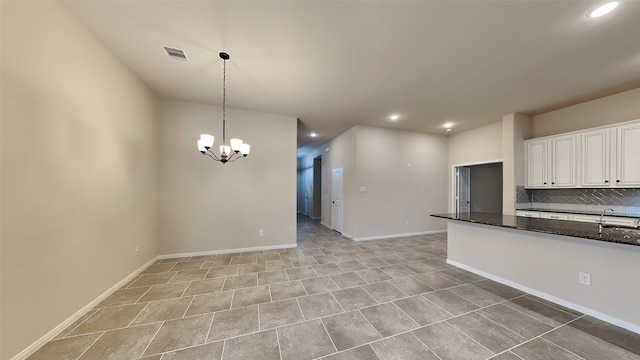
(622,200)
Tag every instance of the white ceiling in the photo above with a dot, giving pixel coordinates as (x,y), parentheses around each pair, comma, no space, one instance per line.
(342,63)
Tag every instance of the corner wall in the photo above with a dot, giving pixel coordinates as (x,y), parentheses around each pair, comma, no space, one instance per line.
(402,174)
(209,206)
(79,171)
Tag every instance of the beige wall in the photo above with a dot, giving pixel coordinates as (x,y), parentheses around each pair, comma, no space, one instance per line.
(476,146)
(342,152)
(515,128)
(79,169)
(612,109)
(403,173)
(208,206)
(378,159)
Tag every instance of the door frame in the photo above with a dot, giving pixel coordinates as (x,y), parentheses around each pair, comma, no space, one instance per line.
(454,178)
(333,169)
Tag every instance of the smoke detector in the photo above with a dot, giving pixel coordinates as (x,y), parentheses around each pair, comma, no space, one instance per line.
(176,54)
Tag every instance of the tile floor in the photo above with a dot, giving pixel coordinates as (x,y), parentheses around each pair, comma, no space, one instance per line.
(332,298)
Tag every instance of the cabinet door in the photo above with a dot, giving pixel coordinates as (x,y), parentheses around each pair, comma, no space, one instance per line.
(536,163)
(596,164)
(563,161)
(628,155)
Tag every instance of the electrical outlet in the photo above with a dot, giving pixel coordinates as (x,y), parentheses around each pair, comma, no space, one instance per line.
(584,278)
(137,250)
(260,232)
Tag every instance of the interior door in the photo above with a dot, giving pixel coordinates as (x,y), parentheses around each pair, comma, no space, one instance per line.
(336,199)
(463,192)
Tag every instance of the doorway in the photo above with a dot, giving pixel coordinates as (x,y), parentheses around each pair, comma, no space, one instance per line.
(336,199)
(316,211)
(478,188)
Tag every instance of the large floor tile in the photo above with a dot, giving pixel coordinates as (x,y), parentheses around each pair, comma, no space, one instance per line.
(388,319)
(384,291)
(520,323)
(319,305)
(304,341)
(613,334)
(122,343)
(402,347)
(287,290)
(541,349)
(65,349)
(251,296)
(279,313)
(319,285)
(410,285)
(347,280)
(259,346)
(486,332)
(364,352)
(588,346)
(272,277)
(212,351)
(207,303)
(240,281)
(109,318)
(162,310)
(422,310)
(550,315)
(349,330)
(451,344)
(167,291)
(233,323)
(180,333)
(452,303)
(353,298)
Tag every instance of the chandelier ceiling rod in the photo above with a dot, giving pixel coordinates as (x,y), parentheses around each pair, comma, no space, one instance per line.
(238,149)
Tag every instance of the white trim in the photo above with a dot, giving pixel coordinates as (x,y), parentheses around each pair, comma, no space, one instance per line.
(380,237)
(80,313)
(227,251)
(598,315)
(24,354)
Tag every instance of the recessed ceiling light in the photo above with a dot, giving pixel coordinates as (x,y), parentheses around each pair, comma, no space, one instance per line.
(603,9)
(448,125)
(449,129)
(313,134)
(394,117)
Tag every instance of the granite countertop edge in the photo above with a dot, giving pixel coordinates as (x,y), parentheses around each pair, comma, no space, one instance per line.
(549,226)
(581,212)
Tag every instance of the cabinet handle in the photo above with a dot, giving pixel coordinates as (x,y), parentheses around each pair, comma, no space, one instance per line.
(617,181)
(552,183)
(544,183)
(606,181)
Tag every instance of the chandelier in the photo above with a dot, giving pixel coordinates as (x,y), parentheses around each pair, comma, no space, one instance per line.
(236,148)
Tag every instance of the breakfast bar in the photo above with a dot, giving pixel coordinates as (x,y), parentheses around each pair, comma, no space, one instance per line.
(547,258)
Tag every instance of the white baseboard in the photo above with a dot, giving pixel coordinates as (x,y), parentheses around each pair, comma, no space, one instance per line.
(381,237)
(228,251)
(604,317)
(73,318)
(24,354)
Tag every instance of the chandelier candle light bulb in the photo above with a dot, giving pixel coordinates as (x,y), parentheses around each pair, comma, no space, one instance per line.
(238,147)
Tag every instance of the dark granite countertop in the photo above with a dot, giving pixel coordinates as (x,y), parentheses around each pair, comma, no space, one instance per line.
(550,226)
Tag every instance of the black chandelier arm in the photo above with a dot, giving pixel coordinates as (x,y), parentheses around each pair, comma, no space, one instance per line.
(212,155)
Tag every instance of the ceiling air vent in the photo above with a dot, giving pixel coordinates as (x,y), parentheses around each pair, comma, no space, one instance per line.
(176,54)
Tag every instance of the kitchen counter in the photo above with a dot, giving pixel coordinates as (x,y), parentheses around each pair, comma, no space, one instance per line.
(549,226)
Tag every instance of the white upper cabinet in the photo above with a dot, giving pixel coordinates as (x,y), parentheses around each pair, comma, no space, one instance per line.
(536,152)
(596,158)
(628,155)
(551,162)
(564,162)
(607,156)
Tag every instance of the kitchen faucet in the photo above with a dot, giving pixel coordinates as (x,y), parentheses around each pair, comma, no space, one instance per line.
(600,221)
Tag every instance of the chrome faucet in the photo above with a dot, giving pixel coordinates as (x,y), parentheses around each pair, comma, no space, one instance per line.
(600,221)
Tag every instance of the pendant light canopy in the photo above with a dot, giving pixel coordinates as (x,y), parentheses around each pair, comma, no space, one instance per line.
(236,148)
